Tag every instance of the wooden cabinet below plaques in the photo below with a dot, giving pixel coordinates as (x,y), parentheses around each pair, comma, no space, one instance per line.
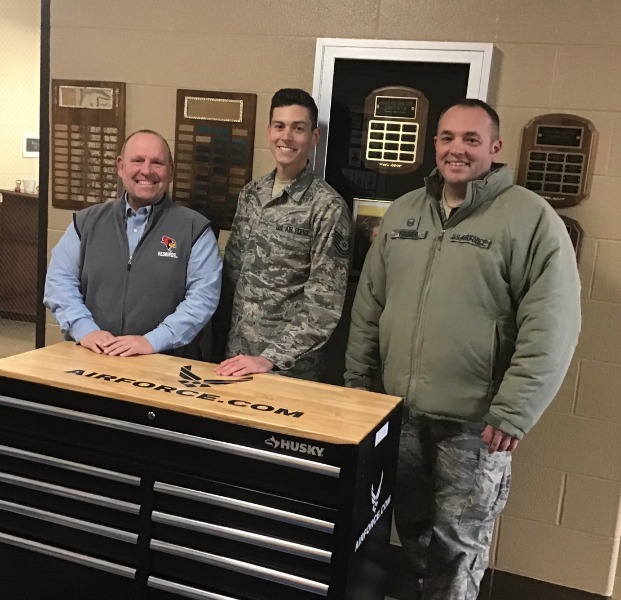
(18,255)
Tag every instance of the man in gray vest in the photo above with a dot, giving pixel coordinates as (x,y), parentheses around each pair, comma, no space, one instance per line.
(140,274)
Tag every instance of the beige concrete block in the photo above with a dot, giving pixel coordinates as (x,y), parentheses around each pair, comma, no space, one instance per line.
(324,18)
(151,107)
(188,60)
(607,276)
(599,339)
(595,212)
(598,391)
(469,20)
(582,495)
(575,445)
(519,84)
(559,21)
(65,13)
(583,79)
(558,555)
(53,334)
(189,15)
(614,162)
(535,493)
(565,398)
(58,218)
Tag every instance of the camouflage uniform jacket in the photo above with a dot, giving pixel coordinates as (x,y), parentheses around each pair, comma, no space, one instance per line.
(285,272)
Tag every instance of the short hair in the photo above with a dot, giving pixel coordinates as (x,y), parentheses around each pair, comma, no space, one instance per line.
(476,103)
(298,97)
(150,132)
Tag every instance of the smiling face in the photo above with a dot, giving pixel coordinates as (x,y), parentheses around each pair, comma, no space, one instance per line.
(145,168)
(291,137)
(466,146)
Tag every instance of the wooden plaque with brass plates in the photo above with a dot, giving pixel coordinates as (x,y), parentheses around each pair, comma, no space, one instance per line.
(214,145)
(395,122)
(557,156)
(88,130)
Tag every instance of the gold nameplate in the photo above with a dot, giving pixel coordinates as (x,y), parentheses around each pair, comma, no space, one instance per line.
(214,109)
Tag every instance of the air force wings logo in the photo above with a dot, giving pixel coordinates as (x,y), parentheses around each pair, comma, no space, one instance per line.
(192,380)
(375,495)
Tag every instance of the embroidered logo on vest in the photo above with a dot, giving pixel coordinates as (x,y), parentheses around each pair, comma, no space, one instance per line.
(169,243)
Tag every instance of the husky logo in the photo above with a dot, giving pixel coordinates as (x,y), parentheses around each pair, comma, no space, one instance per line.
(285,444)
(191,380)
(375,495)
(169,242)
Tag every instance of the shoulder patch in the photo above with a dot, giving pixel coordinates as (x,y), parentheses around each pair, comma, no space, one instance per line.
(341,243)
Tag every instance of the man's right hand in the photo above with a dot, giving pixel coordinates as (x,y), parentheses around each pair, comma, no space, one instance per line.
(95,340)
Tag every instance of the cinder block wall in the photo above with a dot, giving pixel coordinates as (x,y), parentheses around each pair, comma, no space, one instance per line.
(562,524)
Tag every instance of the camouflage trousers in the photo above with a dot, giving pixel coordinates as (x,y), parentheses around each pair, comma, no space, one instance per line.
(449,491)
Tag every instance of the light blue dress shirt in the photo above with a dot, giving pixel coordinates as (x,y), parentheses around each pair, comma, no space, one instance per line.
(202,288)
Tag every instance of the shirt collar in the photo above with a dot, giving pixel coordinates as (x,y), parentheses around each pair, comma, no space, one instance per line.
(129,210)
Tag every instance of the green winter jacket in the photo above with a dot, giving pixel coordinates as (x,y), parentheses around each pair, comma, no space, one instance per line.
(477,319)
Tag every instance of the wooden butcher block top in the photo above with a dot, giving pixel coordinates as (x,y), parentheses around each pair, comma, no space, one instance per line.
(290,406)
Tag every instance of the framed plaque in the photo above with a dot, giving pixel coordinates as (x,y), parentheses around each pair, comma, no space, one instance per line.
(556,158)
(88,129)
(214,145)
(395,119)
(575,232)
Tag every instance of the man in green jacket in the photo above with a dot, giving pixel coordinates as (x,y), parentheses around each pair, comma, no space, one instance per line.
(468,307)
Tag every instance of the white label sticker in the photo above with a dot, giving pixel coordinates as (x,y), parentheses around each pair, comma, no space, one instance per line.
(381,433)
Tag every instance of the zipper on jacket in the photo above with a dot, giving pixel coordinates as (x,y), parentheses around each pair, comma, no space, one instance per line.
(415,368)
(129,265)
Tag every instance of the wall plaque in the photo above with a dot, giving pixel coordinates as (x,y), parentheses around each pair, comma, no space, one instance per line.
(88,130)
(214,145)
(556,159)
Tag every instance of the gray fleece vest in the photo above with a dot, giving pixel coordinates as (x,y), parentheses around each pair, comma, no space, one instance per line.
(132,298)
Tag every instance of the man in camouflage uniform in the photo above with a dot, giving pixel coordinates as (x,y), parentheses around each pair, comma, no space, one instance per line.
(468,307)
(287,258)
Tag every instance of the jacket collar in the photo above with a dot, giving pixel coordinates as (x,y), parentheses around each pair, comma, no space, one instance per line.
(491,186)
(295,190)
(155,209)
